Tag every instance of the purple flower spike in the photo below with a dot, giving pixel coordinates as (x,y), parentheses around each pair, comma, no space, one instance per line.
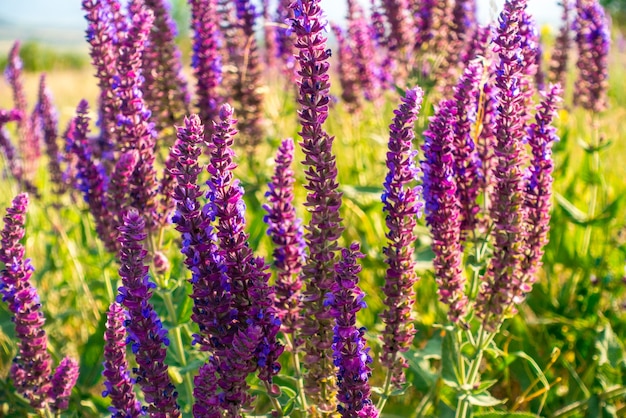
(504,275)
(466,162)
(205,392)
(285,229)
(63,382)
(248,90)
(593,40)
(146,335)
(117,381)
(49,120)
(402,207)
(117,194)
(91,178)
(164,87)
(285,39)
(323,199)
(351,356)
(562,46)
(103,38)
(346,69)
(206,59)
(541,137)
(443,209)
(134,126)
(363,49)
(212,310)
(253,299)
(31,367)
(28,145)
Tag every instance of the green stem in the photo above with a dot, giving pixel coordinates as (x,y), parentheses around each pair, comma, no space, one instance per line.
(297,369)
(382,401)
(273,400)
(572,408)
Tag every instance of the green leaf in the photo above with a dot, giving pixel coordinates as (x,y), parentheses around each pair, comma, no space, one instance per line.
(506,415)
(450,353)
(484,399)
(575,214)
(610,349)
(91,357)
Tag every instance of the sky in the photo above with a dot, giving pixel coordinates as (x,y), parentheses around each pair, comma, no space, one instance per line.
(66,14)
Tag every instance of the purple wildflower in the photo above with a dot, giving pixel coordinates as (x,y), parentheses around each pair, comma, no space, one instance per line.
(134,126)
(103,36)
(257,321)
(269,36)
(31,367)
(323,199)
(402,206)
(90,176)
(285,229)
(248,87)
(206,60)
(117,381)
(117,194)
(62,383)
(593,41)
(146,334)
(350,353)
(541,136)
(503,277)
(285,39)
(212,310)
(164,87)
(205,392)
(348,77)
(443,208)
(466,162)
(48,115)
(562,46)
(13,161)
(401,26)
(363,51)
(478,46)
(28,145)
(464,18)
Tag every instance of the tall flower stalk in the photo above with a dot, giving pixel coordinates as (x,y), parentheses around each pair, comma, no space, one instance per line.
(402,207)
(323,200)
(147,336)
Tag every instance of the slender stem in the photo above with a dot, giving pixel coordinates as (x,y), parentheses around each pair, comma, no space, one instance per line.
(387,387)
(297,369)
(273,400)
(593,198)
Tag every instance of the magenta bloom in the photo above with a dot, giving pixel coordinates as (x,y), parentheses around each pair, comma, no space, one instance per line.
(562,45)
(504,276)
(146,335)
(538,199)
(466,162)
(402,207)
(443,208)
(62,382)
(323,198)
(206,60)
(134,125)
(49,122)
(90,176)
(117,381)
(350,353)
(31,367)
(164,87)
(593,40)
(285,229)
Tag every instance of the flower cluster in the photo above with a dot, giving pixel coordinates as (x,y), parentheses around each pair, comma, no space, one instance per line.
(31,368)
(118,383)
(593,41)
(146,335)
(402,207)
(350,354)
(323,198)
